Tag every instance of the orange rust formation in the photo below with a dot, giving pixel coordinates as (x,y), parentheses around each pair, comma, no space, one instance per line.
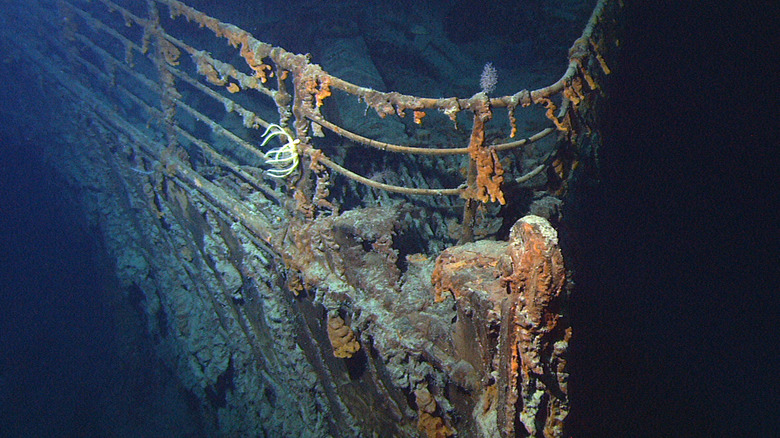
(418,116)
(429,421)
(489,173)
(169,52)
(537,338)
(517,291)
(342,338)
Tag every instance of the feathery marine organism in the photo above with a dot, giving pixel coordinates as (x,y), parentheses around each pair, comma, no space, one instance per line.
(284,159)
(488,79)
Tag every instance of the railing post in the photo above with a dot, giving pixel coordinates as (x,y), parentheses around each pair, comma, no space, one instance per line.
(485,172)
(164,54)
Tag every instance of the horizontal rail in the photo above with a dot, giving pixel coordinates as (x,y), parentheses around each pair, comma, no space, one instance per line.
(418,150)
(213,154)
(388,187)
(250,119)
(385,102)
(155,87)
(312,85)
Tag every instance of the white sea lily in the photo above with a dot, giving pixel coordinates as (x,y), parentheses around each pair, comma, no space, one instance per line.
(284,159)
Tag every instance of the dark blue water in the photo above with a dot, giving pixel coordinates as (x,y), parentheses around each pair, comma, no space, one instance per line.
(74,359)
(676,300)
(56,344)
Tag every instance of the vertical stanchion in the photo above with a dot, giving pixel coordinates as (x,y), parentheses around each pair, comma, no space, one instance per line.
(165,54)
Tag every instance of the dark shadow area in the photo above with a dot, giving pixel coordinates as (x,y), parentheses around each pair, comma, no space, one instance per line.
(57,334)
(68,365)
(673,308)
(74,357)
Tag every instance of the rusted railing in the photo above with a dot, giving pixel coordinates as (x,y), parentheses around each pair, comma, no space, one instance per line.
(298,89)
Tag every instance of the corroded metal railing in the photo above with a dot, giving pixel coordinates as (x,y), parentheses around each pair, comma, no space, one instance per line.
(298,89)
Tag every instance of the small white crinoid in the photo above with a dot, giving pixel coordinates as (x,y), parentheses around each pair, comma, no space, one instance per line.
(284,159)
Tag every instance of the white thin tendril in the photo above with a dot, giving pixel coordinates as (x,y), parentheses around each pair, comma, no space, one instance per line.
(284,159)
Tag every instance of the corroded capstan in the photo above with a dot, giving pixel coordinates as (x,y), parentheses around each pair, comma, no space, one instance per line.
(511,298)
